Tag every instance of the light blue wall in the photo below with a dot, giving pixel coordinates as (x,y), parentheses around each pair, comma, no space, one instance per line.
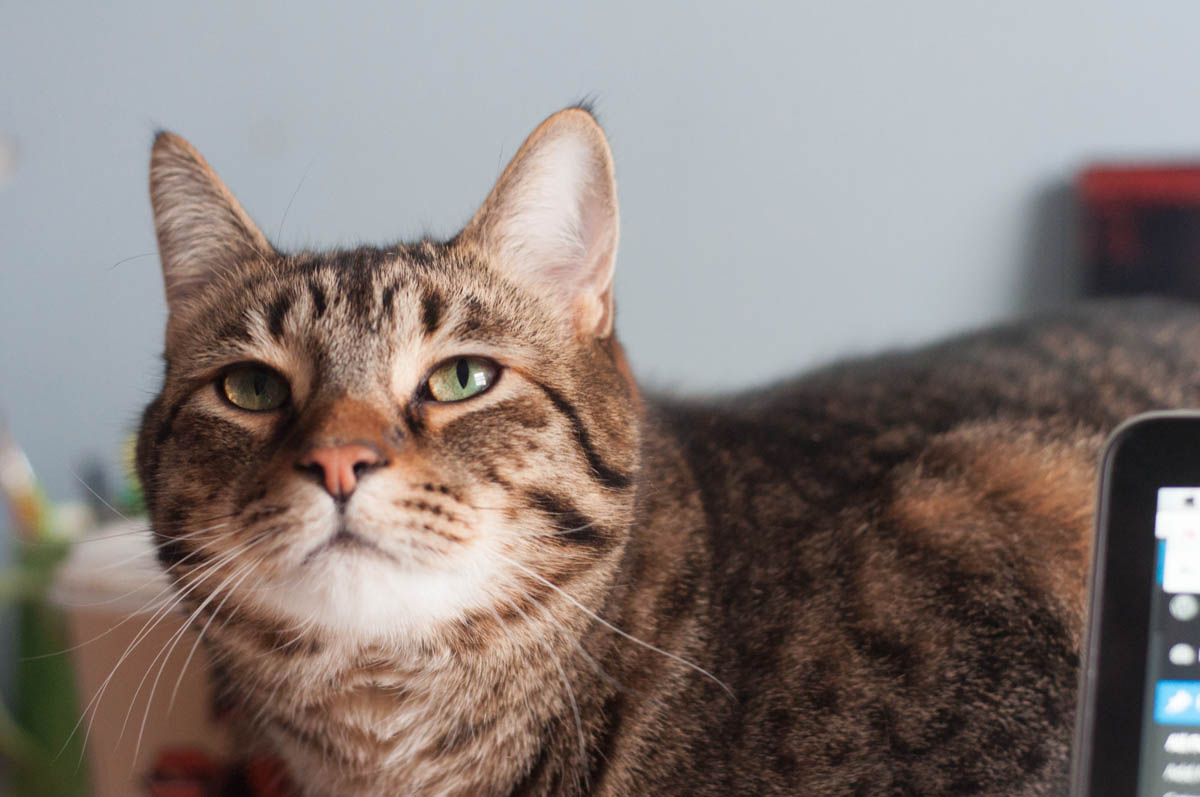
(798,180)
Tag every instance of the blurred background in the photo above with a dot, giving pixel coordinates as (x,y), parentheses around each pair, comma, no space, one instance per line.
(798,180)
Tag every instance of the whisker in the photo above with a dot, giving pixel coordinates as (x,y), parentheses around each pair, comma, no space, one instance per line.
(562,673)
(482,508)
(303,177)
(165,652)
(549,616)
(559,532)
(138,528)
(93,705)
(303,629)
(174,641)
(155,619)
(154,550)
(188,661)
(612,627)
(131,257)
(257,719)
(97,495)
(129,616)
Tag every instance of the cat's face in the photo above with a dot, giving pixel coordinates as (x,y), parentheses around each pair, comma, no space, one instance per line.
(387,443)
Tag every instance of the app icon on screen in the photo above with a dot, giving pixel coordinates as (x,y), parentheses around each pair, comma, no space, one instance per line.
(1183,607)
(1177,526)
(1177,703)
(1182,655)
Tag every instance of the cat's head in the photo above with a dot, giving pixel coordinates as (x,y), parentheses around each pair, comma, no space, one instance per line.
(393,441)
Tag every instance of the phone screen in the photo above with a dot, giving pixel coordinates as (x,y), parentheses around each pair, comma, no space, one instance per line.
(1170,755)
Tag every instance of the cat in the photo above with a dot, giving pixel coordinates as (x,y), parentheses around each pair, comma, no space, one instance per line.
(438,541)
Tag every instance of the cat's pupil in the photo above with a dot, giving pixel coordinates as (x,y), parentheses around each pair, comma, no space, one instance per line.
(464,373)
(260,383)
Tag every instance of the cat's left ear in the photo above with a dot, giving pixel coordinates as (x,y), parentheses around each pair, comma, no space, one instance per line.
(551,220)
(203,232)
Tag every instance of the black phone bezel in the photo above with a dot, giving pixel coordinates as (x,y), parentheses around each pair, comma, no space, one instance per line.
(1145,453)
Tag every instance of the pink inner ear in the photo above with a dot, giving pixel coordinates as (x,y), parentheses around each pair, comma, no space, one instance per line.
(582,273)
(600,234)
(552,222)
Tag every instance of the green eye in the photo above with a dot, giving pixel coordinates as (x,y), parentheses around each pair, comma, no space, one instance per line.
(461,378)
(255,388)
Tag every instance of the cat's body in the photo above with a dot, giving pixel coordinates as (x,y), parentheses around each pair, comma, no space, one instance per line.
(868,581)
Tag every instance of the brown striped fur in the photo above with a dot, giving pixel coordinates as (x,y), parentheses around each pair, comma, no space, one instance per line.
(865,581)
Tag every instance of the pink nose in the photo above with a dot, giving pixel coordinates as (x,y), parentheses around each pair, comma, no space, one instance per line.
(339,467)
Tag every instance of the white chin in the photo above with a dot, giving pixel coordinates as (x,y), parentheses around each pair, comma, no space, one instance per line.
(371,598)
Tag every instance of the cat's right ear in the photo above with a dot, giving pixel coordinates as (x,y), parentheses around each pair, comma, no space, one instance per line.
(202,230)
(551,221)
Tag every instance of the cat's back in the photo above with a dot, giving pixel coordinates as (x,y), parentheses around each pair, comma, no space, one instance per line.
(1094,364)
(839,433)
(898,546)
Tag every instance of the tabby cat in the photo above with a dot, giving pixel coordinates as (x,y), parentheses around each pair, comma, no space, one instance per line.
(439,542)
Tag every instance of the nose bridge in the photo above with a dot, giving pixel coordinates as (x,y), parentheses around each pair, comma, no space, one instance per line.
(348,421)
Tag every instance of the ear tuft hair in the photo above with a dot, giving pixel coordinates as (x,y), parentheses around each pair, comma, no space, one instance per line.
(587,104)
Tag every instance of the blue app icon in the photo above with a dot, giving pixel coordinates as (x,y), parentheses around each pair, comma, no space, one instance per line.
(1177,703)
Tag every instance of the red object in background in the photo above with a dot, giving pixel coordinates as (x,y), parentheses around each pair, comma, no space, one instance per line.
(185,773)
(191,773)
(1142,227)
(267,778)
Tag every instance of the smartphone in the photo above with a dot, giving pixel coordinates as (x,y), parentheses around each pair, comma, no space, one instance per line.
(1138,719)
